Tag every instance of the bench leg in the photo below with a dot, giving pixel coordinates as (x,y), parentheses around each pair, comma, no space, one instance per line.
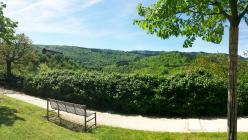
(85,121)
(85,124)
(95,118)
(47,110)
(59,116)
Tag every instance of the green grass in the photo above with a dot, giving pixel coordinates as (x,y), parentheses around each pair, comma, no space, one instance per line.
(23,121)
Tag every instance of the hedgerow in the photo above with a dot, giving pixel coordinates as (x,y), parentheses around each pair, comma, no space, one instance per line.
(195,93)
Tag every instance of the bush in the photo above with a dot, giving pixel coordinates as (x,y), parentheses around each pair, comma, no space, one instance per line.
(195,93)
(13,82)
(242,96)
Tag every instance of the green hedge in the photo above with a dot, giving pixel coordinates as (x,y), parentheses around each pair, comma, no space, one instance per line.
(189,94)
(243,94)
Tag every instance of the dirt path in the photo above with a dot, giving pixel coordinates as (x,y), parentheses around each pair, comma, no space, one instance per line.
(140,122)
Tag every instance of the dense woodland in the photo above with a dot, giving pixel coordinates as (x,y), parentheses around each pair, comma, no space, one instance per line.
(163,64)
(136,82)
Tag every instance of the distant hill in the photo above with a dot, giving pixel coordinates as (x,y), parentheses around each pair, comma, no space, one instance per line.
(146,52)
(93,58)
(140,62)
(161,63)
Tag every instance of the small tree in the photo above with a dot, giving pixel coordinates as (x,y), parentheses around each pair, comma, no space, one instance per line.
(7,26)
(205,19)
(14,51)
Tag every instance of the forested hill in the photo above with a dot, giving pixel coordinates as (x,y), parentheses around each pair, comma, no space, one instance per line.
(141,62)
(95,58)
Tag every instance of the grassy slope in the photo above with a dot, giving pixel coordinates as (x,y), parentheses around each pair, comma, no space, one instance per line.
(19,121)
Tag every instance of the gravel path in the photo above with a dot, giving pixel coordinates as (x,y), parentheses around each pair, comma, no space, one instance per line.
(142,123)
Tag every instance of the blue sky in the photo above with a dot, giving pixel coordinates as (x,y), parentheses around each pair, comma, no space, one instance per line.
(106,24)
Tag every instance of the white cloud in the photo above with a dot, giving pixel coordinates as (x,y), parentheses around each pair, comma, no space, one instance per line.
(73,21)
(48,16)
(90,3)
(61,16)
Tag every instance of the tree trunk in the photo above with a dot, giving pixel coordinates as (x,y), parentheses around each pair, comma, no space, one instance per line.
(232,88)
(8,66)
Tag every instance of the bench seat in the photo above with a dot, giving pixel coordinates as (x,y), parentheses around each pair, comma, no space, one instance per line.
(70,108)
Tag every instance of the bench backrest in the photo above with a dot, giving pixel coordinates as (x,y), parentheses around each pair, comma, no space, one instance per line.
(67,107)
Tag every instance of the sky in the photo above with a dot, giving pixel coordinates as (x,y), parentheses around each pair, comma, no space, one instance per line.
(105,24)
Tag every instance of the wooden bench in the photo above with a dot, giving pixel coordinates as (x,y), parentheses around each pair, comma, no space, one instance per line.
(76,109)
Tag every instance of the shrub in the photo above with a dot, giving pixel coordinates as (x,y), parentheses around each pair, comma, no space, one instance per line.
(195,93)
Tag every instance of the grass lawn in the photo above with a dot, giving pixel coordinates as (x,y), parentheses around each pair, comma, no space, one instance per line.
(23,121)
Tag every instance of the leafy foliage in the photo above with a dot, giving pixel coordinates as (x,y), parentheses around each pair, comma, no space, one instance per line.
(195,18)
(165,63)
(142,86)
(184,94)
(7,26)
(93,58)
(17,50)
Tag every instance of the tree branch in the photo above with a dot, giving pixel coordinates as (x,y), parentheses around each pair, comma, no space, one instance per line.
(222,11)
(196,12)
(243,13)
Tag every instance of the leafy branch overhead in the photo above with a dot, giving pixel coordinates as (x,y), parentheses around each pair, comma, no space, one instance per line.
(7,26)
(191,18)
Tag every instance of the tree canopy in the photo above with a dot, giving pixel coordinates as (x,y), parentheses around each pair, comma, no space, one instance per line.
(7,26)
(191,18)
(16,50)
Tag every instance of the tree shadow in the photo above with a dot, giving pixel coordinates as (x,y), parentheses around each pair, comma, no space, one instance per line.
(77,127)
(68,124)
(8,116)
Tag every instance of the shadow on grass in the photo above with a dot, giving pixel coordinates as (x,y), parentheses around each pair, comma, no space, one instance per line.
(67,124)
(8,116)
